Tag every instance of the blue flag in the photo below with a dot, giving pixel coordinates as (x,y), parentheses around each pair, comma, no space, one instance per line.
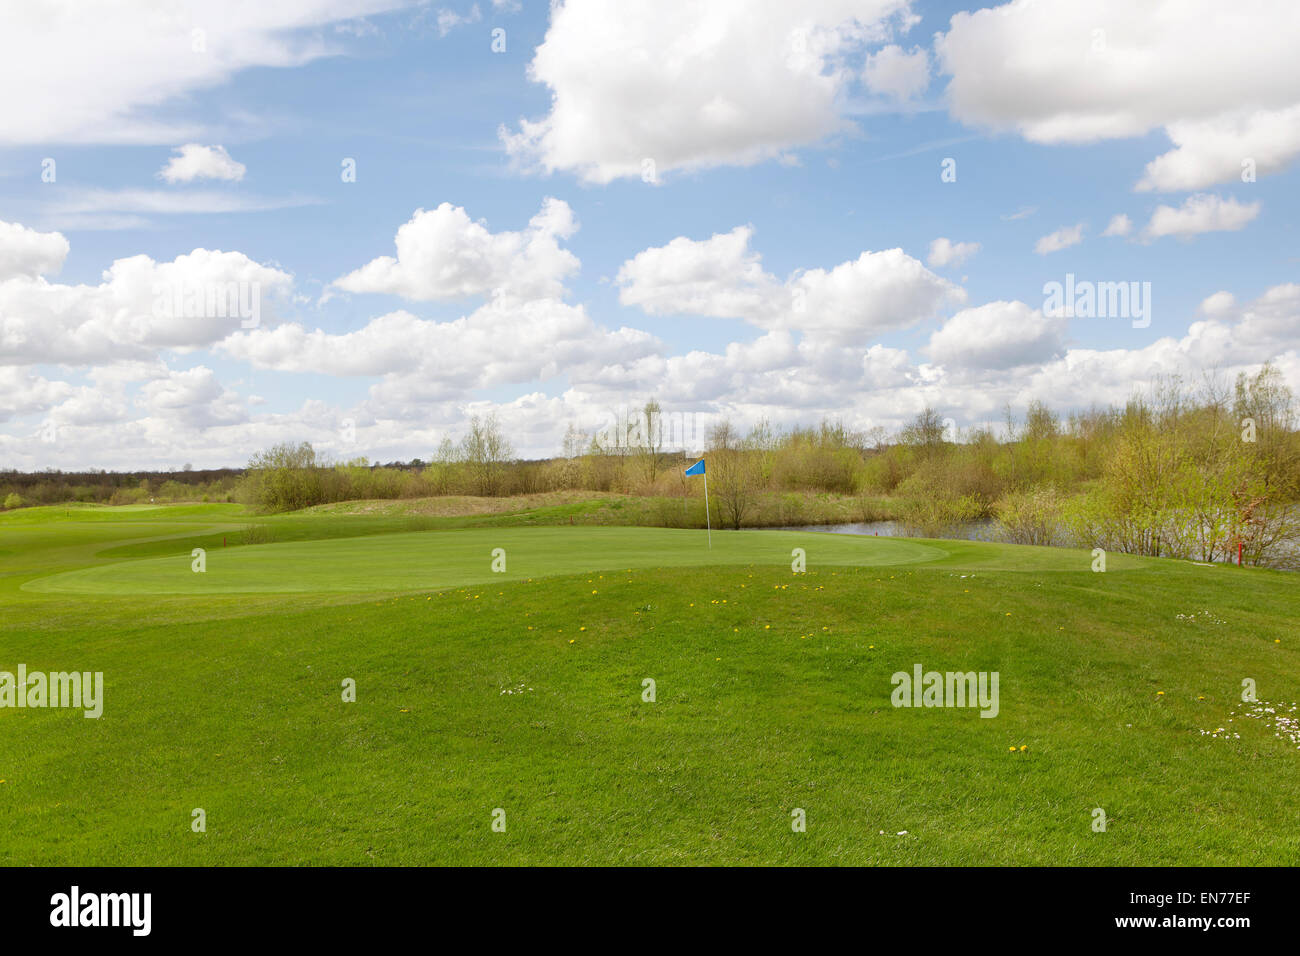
(695,469)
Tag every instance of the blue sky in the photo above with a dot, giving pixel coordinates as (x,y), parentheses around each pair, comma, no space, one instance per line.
(827,156)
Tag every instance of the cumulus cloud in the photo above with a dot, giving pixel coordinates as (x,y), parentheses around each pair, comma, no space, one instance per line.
(721,277)
(193,161)
(503,342)
(1198,214)
(690,85)
(998,336)
(777,376)
(945,252)
(897,73)
(877,292)
(1119,225)
(139,307)
(1078,71)
(1063,238)
(1237,146)
(193,398)
(105,69)
(443,254)
(26,252)
(23,392)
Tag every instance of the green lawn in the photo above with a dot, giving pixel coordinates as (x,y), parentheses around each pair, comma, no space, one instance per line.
(523,691)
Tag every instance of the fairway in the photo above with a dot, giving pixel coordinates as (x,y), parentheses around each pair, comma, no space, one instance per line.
(398,562)
(526,692)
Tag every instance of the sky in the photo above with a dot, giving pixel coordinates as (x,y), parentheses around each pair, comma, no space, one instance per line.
(225,225)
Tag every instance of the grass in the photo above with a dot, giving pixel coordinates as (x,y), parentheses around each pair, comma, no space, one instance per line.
(523,691)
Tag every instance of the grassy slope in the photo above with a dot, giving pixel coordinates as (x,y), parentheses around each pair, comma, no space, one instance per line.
(773,693)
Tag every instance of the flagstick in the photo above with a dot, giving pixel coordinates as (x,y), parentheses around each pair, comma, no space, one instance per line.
(707,519)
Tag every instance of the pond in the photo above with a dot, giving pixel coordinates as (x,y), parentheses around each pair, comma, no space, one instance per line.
(986,530)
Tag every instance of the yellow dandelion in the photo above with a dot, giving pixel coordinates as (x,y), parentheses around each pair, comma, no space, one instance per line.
(1023,748)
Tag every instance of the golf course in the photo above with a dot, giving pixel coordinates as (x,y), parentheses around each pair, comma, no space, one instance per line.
(510,688)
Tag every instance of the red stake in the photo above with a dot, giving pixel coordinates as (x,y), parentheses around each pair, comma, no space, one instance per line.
(1238,554)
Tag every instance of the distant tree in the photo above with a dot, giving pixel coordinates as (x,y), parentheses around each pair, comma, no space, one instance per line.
(925,430)
(284,477)
(732,473)
(485,451)
(651,443)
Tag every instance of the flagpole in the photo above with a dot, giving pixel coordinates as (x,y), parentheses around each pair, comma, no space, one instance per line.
(707,519)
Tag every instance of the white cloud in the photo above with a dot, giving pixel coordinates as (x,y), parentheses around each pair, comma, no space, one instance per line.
(1063,238)
(449,19)
(945,252)
(690,85)
(860,299)
(722,278)
(192,398)
(1077,71)
(91,72)
(23,392)
(26,252)
(896,73)
(1119,225)
(141,306)
(503,342)
(1218,305)
(443,254)
(1237,146)
(77,208)
(193,161)
(1198,214)
(998,336)
(719,277)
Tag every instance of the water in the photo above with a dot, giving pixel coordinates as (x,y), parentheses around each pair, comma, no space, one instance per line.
(985,530)
(1286,555)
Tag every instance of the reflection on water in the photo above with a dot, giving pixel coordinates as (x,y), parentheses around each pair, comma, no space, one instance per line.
(1286,555)
(967,530)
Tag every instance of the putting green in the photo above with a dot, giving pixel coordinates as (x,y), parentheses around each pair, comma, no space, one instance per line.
(437,559)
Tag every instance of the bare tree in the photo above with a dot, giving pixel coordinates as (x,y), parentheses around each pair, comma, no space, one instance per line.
(485,450)
(731,467)
(652,440)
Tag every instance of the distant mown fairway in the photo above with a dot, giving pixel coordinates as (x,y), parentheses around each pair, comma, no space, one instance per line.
(478,691)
